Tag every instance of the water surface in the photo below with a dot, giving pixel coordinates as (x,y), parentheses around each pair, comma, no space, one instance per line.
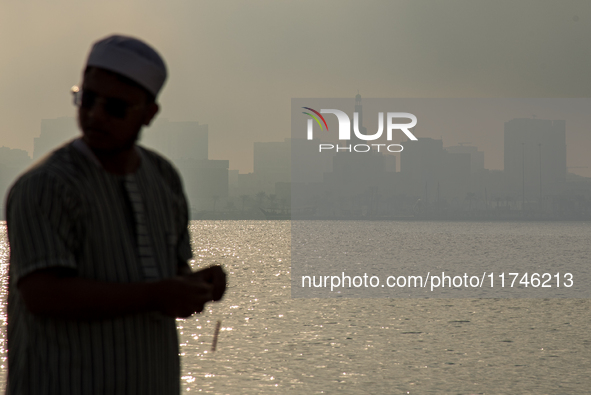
(273,344)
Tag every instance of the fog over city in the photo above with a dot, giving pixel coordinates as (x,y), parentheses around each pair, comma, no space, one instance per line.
(235,65)
(392,196)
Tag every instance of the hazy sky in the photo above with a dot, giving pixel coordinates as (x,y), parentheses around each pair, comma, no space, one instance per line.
(235,65)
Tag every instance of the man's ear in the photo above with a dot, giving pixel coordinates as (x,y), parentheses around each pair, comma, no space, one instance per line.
(151,113)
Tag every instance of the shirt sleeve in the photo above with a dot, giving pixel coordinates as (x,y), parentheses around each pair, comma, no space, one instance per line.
(43,225)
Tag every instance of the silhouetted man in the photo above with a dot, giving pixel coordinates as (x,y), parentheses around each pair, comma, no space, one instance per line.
(99,246)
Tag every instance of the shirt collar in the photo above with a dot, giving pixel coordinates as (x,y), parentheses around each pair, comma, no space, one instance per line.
(81,146)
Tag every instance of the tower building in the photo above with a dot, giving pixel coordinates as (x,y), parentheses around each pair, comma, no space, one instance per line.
(535,156)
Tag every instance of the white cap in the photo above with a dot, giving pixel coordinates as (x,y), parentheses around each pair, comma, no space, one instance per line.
(131,58)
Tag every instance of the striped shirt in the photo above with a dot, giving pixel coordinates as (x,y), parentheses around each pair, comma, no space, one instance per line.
(68,212)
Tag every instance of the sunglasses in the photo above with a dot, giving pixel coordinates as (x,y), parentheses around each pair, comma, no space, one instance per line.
(116,108)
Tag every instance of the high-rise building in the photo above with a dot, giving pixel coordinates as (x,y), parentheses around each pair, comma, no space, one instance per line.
(272,161)
(476,157)
(430,172)
(421,164)
(205,181)
(354,171)
(186,145)
(177,140)
(535,156)
(362,129)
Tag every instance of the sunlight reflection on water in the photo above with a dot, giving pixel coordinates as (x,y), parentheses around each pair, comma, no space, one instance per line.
(270,343)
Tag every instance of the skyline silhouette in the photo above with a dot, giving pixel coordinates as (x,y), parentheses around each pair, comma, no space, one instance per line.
(228,72)
(427,175)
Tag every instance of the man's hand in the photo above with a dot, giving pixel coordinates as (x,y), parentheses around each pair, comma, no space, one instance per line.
(182,296)
(213,275)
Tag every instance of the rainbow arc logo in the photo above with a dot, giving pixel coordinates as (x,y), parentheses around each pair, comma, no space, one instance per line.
(315,118)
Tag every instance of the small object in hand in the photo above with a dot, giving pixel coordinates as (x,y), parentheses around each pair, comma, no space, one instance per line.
(215,276)
(215,335)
